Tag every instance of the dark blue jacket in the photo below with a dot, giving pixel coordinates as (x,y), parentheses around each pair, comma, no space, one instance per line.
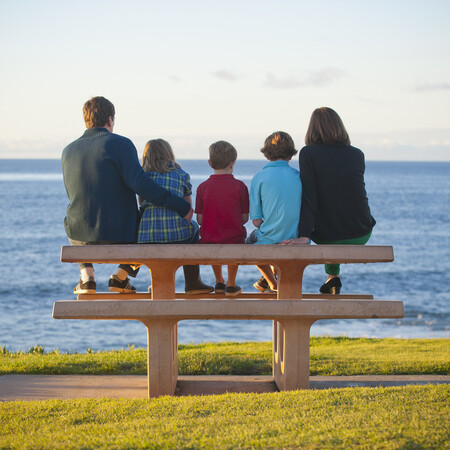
(102,175)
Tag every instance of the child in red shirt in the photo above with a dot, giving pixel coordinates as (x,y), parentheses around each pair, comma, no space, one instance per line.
(222,207)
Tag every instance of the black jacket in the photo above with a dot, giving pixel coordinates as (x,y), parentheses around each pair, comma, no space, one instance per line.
(334,201)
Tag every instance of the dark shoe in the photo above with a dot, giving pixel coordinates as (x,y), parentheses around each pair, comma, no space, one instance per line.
(201,288)
(219,288)
(122,286)
(232,291)
(331,287)
(85,287)
(193,283)
(263,286)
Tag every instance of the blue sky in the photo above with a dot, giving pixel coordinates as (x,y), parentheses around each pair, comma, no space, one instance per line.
(194,72)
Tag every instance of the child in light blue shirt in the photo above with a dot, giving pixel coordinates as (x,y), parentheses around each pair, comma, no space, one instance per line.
(275,199)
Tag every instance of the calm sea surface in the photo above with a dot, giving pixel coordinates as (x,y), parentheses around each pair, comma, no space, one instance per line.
(409,200)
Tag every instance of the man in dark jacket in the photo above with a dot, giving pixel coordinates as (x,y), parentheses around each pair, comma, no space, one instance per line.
(102,176)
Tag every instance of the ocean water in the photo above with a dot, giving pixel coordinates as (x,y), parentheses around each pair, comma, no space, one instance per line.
(409,200)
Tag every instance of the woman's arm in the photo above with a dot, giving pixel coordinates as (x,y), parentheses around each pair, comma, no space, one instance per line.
(309,195)
(257,222)
(299,241)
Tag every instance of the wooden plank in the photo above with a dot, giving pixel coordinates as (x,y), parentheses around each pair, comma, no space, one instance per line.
(226,253)
(227,309)
(243,295)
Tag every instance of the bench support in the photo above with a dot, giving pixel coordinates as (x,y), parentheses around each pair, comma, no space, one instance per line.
(162,356)
(291,353)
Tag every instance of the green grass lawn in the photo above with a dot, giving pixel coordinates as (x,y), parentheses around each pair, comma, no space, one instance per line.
(396,417)
(329,356)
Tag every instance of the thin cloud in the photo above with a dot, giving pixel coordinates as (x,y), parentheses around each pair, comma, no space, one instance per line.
(429,87)
(317,78)
(174,78)
(226,75)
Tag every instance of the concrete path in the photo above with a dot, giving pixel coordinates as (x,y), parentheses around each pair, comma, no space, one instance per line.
(44,387)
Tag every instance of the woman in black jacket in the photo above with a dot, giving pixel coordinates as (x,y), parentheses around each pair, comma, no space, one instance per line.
(335,208)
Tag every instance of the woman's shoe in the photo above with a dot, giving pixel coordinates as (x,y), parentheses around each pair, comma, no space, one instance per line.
(332,286)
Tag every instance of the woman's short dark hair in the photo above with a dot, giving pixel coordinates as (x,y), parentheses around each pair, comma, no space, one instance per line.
(326,127)
(279,145)
(97,111)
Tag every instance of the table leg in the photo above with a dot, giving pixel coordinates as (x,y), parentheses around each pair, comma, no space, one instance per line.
(290,279)
(291,353)
(163,280)
(162,356)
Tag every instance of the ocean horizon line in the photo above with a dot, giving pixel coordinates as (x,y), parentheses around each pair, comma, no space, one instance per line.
(254,159)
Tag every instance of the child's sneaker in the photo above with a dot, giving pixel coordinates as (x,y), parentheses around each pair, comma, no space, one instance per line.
(85,287)
(263,286)
(122,286)
(232,291)
(219,288)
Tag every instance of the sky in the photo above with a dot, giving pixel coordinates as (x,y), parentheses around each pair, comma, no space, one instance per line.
(194,72)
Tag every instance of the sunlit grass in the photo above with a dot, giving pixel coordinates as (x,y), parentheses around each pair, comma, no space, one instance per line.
(397,418)
(329,356)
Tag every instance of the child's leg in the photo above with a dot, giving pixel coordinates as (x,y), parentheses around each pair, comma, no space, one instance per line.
(218,274)
(232,272)
(269,276)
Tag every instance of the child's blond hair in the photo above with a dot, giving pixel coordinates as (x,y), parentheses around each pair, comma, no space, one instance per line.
(158,157)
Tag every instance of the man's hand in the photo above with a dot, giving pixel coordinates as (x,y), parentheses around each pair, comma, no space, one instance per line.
(298,241)
(189,215)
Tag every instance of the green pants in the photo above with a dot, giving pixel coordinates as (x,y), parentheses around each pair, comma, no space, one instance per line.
(335,269)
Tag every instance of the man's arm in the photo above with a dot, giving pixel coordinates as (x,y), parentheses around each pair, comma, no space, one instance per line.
(140,182)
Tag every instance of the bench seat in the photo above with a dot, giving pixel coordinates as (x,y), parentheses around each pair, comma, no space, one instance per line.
(242,295)
(292,323)
(227,309)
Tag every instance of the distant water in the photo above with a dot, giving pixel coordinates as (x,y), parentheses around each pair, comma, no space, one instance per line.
(410,201)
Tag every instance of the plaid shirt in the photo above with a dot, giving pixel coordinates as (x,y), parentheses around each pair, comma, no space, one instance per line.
(162,225)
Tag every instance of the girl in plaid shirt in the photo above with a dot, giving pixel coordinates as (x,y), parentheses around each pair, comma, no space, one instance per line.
(160,225)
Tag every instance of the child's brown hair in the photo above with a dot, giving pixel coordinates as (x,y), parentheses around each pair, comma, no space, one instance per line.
(279,145)
(221,155)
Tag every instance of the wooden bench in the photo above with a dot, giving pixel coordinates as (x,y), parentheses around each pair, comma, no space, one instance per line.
(292,312)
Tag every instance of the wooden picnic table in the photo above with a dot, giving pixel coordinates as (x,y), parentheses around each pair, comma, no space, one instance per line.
(292,313)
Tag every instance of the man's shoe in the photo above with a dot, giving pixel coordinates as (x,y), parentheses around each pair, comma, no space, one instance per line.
(332,286)
(122,286)
(232,291)
(263,286)
(199,288)
(85,287)
(219,288)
